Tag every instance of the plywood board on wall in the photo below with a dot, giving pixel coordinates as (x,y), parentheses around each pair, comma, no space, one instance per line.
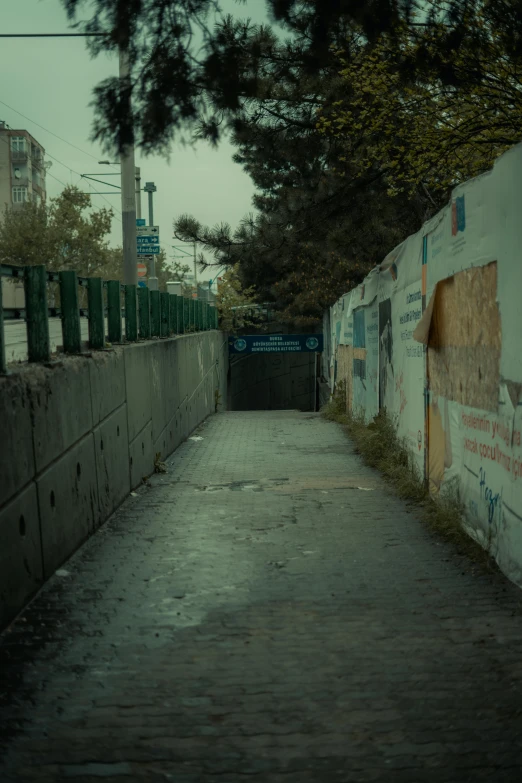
(465,339)
(345,372)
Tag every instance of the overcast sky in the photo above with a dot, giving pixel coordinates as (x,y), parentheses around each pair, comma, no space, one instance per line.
(50,81)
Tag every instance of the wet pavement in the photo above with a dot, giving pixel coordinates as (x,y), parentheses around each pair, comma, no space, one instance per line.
(265,610)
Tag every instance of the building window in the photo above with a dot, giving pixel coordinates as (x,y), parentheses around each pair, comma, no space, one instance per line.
(19,195)
(18,143)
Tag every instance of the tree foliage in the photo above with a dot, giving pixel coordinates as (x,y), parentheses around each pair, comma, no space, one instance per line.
(62,234)
(193,65)
(168,270)
(317,230)
(66,234)
(442,126)
(353,128)
(233,301)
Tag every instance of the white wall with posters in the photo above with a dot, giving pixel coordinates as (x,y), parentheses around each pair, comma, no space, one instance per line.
(447,304)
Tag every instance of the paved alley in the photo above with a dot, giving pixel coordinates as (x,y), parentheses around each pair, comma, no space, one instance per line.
(266,610)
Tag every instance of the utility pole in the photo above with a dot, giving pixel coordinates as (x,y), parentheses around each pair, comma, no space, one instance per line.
(128,187)
(111,174)
(150,188)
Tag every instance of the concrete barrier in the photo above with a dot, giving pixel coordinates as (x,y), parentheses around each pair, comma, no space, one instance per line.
(78,434)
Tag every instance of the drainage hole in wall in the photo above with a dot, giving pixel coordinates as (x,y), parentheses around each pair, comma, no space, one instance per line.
(101,445)
(53,501)
(131,461)
(143,448)
(78,470)
(118,430)
(21,525)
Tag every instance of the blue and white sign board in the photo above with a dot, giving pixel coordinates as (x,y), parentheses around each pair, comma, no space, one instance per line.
(148,250)
(276,343)
(142,284)
(147,240)
(147,231)
(140,221)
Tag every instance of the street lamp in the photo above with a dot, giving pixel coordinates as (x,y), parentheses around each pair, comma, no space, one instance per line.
(151,188)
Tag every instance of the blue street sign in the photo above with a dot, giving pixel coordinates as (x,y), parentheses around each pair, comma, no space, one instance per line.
(148,250)
(140,222)
(147,240)
(276,343)
(142,284)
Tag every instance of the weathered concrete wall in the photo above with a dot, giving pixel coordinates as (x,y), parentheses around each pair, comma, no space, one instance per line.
(78,434)
(279,381)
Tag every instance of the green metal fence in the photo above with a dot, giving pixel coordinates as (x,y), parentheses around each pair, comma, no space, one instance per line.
(147,314)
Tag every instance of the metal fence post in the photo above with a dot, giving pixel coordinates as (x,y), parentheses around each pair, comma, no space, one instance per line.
(192,322)
(186,322)
(173,314)
(181,315)
(131,315)
(155,314)
(164,308)
(3,366)
(96,319)
(38,347)
(114,310)
(144,308)
(71,330)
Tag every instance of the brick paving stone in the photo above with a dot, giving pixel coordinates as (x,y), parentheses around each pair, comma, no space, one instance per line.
(254,614)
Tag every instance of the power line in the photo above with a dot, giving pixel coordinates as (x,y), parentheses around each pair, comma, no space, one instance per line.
(80,176)
(48,131)
(57,35)
(56,178)
(51,35)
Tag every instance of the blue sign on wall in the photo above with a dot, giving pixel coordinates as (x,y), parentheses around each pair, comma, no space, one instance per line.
(276,343)
(140,222)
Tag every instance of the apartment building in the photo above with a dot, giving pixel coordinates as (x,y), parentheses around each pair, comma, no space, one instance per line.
(22,179)
(22,170)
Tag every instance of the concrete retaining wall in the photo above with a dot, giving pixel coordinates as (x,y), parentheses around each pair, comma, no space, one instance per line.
(78,434)
(279,381)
